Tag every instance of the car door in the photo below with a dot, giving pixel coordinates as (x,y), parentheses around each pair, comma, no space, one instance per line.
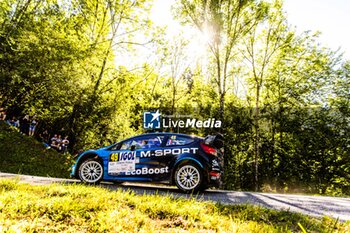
(135,159)
(150,165)
(121,159)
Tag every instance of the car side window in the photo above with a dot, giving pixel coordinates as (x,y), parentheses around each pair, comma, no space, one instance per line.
(176,140)
(144,142)
(115,147)
(126,145)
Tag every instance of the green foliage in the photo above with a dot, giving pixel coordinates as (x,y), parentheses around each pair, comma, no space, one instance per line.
(72,208)
(283,99)
(57,62)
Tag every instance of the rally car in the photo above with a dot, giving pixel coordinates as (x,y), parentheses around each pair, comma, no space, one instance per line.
(191,163)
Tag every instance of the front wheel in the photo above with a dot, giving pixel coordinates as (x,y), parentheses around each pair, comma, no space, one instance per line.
(188,177)
(90,171)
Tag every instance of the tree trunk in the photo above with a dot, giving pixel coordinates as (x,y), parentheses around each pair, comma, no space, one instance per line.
(257,140)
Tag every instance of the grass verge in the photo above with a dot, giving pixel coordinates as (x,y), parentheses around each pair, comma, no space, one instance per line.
(21,154)
(78,208)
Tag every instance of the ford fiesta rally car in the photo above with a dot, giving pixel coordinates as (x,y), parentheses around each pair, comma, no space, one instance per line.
(191,163)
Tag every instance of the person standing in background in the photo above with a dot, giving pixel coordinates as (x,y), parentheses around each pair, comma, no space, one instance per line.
(65,143)
(32,127)
(24,125)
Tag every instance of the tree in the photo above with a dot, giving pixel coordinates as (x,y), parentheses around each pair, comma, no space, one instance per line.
(264,43)
(224,22)
(57,59)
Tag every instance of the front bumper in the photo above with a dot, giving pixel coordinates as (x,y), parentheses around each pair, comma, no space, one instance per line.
(72,174)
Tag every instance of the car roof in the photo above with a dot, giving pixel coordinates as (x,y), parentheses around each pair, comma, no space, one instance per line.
(167,134)
(159,133)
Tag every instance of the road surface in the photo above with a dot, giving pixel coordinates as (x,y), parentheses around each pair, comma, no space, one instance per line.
(317,206)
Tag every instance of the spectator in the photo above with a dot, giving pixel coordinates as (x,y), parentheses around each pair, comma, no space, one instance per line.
(10,122)
(59,142)
(32,127)
(65,143)
(25,125)
(45,136)
(53,139)
(13,122)
(16,123)
(55,145)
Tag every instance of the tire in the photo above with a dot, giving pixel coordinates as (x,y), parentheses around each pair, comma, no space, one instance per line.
(188,178)
(90,171)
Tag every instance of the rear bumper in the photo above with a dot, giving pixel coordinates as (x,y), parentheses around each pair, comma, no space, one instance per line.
(215,179)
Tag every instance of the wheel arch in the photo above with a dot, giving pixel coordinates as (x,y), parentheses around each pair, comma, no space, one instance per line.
(90,155)
(185,161)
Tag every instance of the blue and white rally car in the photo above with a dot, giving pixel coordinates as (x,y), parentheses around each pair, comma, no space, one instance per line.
(191,163)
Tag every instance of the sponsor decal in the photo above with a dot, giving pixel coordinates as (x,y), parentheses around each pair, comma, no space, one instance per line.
(122,162)
(215,165)
(176,151)
(148,171)
(153,120)
(123,156)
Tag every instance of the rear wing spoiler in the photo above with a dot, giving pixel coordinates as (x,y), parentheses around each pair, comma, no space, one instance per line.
(215,140)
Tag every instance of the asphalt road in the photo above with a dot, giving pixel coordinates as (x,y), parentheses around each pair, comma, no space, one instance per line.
(335,207)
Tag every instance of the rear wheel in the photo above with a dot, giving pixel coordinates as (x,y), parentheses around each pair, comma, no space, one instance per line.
(90,171)
(188,177)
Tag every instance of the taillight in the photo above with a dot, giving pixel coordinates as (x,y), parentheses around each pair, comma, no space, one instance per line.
(209,149)
(214,175)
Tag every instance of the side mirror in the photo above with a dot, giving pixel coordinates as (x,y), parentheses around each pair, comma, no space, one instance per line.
(133,147)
